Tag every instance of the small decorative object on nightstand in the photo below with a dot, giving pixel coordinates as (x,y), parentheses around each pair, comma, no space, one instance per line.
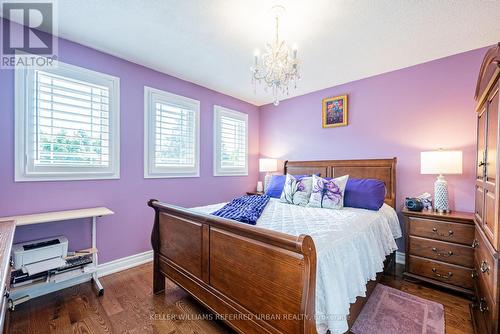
(439,249)
(441,162)
(260,187)
(255,193)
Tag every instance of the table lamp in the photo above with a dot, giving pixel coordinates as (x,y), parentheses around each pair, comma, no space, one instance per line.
(441,162)
(268,166)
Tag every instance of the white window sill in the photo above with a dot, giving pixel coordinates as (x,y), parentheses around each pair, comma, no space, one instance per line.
(42,178)
(170,176)
(232,174)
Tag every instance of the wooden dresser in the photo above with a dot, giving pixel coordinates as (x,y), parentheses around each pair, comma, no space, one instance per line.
(485,308)
(439,249)
(6,238)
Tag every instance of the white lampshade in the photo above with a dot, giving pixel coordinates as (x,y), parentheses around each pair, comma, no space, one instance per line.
(268,165)
(441,162)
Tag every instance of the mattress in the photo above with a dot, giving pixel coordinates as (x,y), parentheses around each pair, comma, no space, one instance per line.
(351,246)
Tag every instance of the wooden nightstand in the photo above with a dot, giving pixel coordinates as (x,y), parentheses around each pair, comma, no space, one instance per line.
(439,249)
(255,193)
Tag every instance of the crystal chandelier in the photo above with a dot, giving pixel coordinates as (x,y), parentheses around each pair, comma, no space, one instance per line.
(278,67)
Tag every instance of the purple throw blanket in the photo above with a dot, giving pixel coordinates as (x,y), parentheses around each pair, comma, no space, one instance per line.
(245,209)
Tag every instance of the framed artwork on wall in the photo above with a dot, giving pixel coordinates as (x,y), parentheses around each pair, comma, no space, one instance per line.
(334,111)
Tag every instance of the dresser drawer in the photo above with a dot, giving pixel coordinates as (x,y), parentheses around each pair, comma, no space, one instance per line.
(440,230)
(484,309)
(485,263)
(478,321)
(440,271)
(442,251)
(4,303)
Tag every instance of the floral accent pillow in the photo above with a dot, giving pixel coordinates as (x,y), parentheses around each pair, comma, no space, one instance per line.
(328,193)
(296,190)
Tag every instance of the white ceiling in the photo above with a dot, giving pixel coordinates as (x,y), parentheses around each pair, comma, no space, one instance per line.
(211,42)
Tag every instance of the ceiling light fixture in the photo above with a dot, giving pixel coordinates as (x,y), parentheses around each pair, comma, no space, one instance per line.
(278,66)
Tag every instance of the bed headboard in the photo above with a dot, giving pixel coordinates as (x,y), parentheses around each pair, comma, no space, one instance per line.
(382,169)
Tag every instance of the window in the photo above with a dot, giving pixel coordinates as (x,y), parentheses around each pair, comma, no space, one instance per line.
(230,142)
(171,135)
(67,124)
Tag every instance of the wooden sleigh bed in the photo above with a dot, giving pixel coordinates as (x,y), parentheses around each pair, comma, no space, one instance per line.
(254,279)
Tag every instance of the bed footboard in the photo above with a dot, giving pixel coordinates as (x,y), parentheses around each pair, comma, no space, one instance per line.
(257,281)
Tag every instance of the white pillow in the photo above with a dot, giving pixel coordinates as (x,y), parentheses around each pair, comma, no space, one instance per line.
(328,193)
(296,191)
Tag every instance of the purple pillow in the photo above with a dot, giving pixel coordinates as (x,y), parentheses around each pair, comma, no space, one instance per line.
(364,194)
(277,183)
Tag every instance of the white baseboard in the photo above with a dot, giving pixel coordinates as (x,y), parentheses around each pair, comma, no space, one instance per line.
(102,270)
(124,263)
(400,257)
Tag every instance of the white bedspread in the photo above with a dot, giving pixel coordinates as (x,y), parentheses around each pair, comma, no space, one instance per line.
(351,245)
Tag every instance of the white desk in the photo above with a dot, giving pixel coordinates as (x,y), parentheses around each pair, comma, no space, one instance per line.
(54,216)
(49,217)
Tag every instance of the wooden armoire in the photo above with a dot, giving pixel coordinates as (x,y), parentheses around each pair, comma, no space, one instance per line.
(485,307)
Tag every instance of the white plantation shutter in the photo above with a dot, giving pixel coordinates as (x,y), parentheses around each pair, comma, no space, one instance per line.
(230,142)
(174,136)
(171,135)
(67,124)
(71,122)
(233,142)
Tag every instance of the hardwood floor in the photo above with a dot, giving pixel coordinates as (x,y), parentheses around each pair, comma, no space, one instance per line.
(128,306)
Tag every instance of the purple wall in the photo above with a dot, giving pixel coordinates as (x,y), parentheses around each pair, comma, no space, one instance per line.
(400,114)
(396,114)
(127,231)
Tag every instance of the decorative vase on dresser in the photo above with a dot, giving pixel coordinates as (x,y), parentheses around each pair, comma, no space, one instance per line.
(439,249)
(485,308)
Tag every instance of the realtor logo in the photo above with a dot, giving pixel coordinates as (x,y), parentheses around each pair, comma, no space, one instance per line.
(28,32)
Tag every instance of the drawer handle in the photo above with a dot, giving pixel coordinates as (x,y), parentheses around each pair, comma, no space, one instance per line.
(473,274)
(447,276)
(445,254)
(484,267)
(475,244)
(483,307)
(435,230)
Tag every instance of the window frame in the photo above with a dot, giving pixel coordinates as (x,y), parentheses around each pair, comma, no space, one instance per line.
(151,96)
(218,170)
(24,109)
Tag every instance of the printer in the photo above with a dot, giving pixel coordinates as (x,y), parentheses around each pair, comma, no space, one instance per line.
(28,253)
